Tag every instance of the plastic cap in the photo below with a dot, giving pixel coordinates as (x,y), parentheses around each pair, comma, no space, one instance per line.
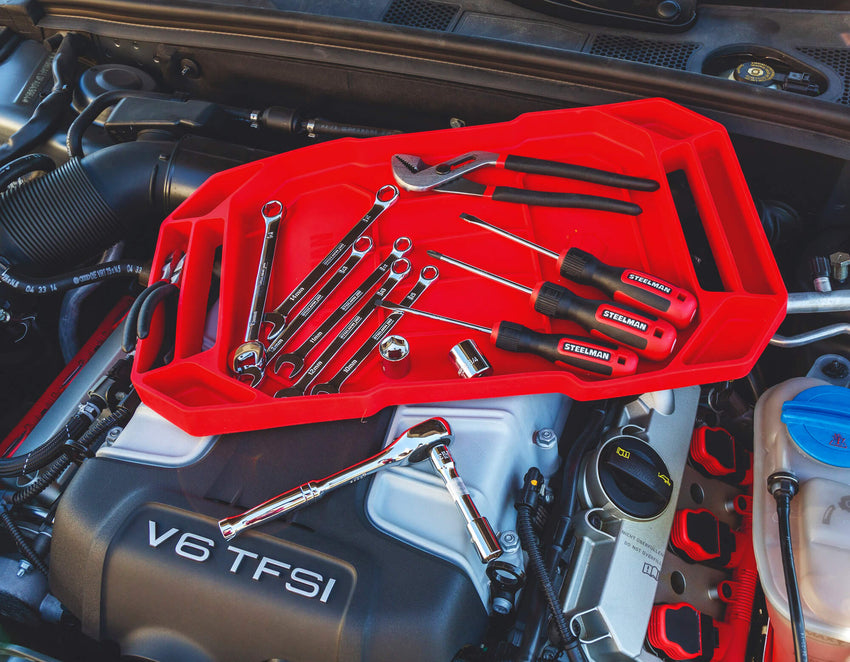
(818,420)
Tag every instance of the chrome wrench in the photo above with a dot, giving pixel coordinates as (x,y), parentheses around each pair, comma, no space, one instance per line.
(401,247)
(384,199)
(399,271)
(362,246)
(249,359)
(427,276)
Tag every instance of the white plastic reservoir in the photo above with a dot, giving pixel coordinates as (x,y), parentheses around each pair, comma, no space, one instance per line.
(803,426)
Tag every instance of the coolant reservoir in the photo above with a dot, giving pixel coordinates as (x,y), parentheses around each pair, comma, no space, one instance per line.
(803,426)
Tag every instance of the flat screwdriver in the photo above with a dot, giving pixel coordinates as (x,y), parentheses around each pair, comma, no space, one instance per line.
(599,357)
(650,336)
(630,286)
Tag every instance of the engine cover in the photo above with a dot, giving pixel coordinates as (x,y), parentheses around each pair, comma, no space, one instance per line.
(137,556)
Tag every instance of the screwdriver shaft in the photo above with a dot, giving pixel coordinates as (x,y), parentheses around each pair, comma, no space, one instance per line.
(397,306)
(480,272)
(469,218)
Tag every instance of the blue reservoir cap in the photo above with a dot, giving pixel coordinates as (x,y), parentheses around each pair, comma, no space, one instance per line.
(818,420)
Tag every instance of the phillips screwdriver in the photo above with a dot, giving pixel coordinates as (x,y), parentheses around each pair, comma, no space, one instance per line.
(594,356)
(629,286)
(650,336)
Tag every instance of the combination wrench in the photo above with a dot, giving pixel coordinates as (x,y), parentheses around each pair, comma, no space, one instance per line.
(249,358)
(384,199)
(362,246)
(399,270)
(427,276)
(401,247)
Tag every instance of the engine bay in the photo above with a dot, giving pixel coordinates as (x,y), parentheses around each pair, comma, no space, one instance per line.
(216,446)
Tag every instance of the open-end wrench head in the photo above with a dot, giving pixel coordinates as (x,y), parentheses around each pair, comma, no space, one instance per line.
(292,359)
(277,321)
(324,389)
(252,374)
(248,361)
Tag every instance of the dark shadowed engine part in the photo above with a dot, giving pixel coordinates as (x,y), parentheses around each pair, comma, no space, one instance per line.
(74,213)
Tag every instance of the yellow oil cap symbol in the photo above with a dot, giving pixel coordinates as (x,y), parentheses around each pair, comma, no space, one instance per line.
(623,453)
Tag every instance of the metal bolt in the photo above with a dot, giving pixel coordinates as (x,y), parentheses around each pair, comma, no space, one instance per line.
(545,438)
(5,316)
(840,263)
(668,9)
(502,605)
(509,541)
(23,567)
(456,123)
(189,68)
(113,435)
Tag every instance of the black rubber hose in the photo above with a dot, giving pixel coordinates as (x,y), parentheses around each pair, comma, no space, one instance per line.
(21,543)
(72,279)
(47,452)
(74,137)
(24,165)
(50,110)
(326,128)
(783,487)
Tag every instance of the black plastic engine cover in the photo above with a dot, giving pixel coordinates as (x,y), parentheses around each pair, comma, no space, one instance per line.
(138,557)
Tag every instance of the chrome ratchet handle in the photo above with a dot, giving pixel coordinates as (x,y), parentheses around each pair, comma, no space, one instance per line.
(413,445)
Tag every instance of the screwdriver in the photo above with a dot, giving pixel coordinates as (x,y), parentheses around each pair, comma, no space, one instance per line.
(650,336)
(599,357)
(630,286)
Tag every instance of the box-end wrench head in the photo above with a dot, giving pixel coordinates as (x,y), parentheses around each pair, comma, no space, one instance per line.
(413,445)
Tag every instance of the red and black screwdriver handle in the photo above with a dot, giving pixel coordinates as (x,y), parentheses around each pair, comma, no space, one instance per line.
(630,286)
(651,337)
(599,357)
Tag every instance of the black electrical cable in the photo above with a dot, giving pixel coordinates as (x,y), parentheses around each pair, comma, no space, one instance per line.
(82,446)
(72,279)
(51,109)
(74,137)
(48,451)
(783,486)
(21,542)
(526,505)
(23,165)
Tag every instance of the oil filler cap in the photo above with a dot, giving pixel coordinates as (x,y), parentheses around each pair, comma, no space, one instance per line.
(634,477)
(818,420)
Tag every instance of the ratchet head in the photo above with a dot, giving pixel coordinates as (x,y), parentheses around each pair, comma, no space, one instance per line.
(415,444)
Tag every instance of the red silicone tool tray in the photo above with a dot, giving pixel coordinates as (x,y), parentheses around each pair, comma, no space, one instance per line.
(327,188)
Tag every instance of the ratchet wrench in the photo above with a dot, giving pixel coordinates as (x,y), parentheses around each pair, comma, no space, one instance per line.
(427,276)
(401,247)
(384,199)
(398,272)
(362,246)
(248,360)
